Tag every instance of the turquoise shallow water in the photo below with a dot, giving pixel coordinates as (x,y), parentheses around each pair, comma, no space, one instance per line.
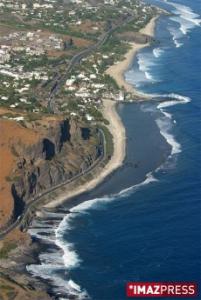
(136,227)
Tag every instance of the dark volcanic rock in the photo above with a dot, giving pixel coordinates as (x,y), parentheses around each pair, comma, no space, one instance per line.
(136,37)
(48,149)
(67,149)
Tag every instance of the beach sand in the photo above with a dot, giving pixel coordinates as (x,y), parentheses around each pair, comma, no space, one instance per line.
(117,130)
(117,71)
(115,127)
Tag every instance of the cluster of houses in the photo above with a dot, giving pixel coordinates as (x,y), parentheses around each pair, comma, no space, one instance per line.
(23,44)
(18,73)
(87,84)
(31,42)
(4,54)
(13,78)
(25,5)
(51,13)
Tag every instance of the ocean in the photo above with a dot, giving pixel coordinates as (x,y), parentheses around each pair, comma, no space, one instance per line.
(143,222)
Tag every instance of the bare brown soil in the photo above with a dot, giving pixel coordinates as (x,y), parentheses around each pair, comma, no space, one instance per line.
(12,133)
(88,26)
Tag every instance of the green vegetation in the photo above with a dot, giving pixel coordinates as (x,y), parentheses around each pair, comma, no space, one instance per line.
(39,68)
(110,81)
(96,114)
(31,117)
(5,250)
(109,141)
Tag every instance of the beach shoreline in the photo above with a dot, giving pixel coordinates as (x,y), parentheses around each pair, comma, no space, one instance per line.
(117,131)
(115,126)
(118,70)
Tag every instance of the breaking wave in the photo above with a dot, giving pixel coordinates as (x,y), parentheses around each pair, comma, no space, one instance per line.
(55,264)
(157,52)
(142,74)
(176,36)
(145,63)
(173,99)
(165,123)
(165,129)
(187,20)
(62,260)
(57,259)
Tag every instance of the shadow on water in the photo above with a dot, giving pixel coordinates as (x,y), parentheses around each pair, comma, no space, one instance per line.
(143,155)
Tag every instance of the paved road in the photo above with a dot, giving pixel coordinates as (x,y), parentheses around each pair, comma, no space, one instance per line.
(36,200)
(57,85)
(77,58)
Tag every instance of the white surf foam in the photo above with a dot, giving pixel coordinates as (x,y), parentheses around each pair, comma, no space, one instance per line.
(50,257)
(157,52)
(61,286)
(42,232)
(143,74)
(168,115)
(178,44)
(135,77)
(98,203)
(52,262)
(174,99)
(145,63)
(187,20)
(148,76)
(165,130)
(70,257)
(176,36)
(149,179)
(165,124)
(76,290)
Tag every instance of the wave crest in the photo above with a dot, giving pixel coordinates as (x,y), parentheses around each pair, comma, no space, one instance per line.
(157,52)
(164,123)
(187,20)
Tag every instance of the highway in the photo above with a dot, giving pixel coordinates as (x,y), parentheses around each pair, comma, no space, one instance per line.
(37,199)
(56,86)
(78,57)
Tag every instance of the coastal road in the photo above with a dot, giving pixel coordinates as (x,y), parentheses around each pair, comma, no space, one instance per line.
(37,199)
(78,57)
(56,86)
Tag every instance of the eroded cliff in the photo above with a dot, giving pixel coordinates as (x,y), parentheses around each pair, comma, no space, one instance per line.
(61,149)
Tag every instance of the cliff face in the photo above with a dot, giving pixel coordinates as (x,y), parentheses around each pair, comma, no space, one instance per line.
(136,37)
(66,149)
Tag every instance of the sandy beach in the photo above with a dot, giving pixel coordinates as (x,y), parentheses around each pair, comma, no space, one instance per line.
(117,130)
(115,127)
(117,71)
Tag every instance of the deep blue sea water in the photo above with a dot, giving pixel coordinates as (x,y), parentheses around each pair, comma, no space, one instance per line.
(150,232)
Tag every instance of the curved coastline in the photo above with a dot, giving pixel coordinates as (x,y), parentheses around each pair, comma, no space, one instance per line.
(117,130)
(116,126)
(111,114)
(118,70)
